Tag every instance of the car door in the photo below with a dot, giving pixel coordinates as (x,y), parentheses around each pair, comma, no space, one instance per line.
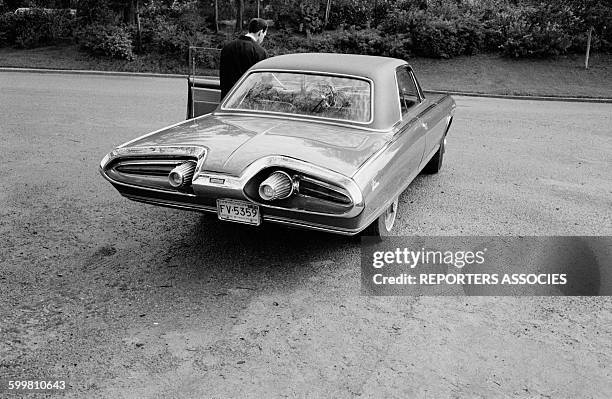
(433,121)
(203,95)
(411,134)
(389,173)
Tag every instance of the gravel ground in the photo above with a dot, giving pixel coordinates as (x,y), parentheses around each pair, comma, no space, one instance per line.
(127,300)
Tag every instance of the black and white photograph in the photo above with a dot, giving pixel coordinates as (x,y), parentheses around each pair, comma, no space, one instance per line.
(306,199)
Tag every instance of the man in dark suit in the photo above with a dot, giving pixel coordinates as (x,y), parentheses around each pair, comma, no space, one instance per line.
(242,53)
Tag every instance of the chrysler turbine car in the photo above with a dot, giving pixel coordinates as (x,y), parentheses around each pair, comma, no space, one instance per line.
(318,141)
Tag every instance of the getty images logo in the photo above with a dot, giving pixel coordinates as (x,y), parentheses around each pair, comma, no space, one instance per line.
(412,258)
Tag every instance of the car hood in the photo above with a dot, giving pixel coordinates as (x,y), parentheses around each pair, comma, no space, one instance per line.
(234,142)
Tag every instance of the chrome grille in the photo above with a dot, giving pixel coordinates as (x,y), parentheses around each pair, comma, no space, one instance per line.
(151,173)
(151,168)
(327,192)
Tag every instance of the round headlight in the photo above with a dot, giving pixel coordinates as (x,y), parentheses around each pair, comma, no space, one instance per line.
(277,186)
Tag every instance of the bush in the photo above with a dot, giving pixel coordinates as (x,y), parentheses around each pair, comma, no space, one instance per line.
(7,29)
(35,28)
(170,31)
(367,41)
(538,32)
(539,42)
(32,29)
(398,21)
(163,36)
(285,14)
(310,16)
(438,38)
(283,42)
(324,43)
(473,35)
(399,46)
(432,36)
(107,40)
(298,15)
(91,12)
(529,28)
(350,13)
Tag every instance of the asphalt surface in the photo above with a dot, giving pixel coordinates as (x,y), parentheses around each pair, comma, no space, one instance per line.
(130,300)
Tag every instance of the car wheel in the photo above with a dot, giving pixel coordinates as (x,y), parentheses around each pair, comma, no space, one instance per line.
(435,164)
(385,222)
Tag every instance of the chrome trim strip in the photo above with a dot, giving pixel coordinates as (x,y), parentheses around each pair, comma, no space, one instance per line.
(354,211)
(298,71)
(399,103)
(147,162)
(190,151)
(432,106)
(172,204)
(272,219)
(237,183)
(416,84)
(150,162)
(426,110)
(311,226)
(305,119)
(204,80)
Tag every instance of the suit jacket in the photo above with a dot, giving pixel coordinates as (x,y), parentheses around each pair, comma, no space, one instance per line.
(236,58)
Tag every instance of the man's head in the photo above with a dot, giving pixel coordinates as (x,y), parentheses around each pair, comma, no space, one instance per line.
(257,29)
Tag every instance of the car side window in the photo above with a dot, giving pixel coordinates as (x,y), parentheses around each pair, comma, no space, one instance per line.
(408,94)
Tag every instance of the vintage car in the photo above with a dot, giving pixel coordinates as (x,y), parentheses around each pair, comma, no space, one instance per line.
(318,141)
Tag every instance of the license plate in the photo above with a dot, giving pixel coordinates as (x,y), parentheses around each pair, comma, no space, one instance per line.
(238,211)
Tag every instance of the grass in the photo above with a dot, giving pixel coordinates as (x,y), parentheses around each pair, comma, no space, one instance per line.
(484,73)
(69,57)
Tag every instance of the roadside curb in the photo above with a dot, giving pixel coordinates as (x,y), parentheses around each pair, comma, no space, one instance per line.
(88,72)
(174,76)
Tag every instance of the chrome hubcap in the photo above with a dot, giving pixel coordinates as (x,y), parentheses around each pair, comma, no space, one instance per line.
(390,215)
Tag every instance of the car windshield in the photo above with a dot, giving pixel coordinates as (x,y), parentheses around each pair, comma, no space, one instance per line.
(324,96)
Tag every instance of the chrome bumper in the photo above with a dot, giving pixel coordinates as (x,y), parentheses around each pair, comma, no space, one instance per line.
(267,218)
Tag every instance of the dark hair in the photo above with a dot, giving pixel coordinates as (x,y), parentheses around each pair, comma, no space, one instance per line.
(257,24)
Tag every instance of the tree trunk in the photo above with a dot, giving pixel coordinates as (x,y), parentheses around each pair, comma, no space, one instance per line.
(588,50)
(239,15)
(129,12)
(327,10)
(216,16)
(138,29)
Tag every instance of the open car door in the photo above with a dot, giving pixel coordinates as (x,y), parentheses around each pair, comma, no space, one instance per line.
(203,92)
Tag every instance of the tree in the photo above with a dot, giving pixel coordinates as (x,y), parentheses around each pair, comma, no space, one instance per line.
(596,16)
(239,15)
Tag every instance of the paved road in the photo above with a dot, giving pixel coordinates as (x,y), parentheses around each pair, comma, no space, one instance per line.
(131,300)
